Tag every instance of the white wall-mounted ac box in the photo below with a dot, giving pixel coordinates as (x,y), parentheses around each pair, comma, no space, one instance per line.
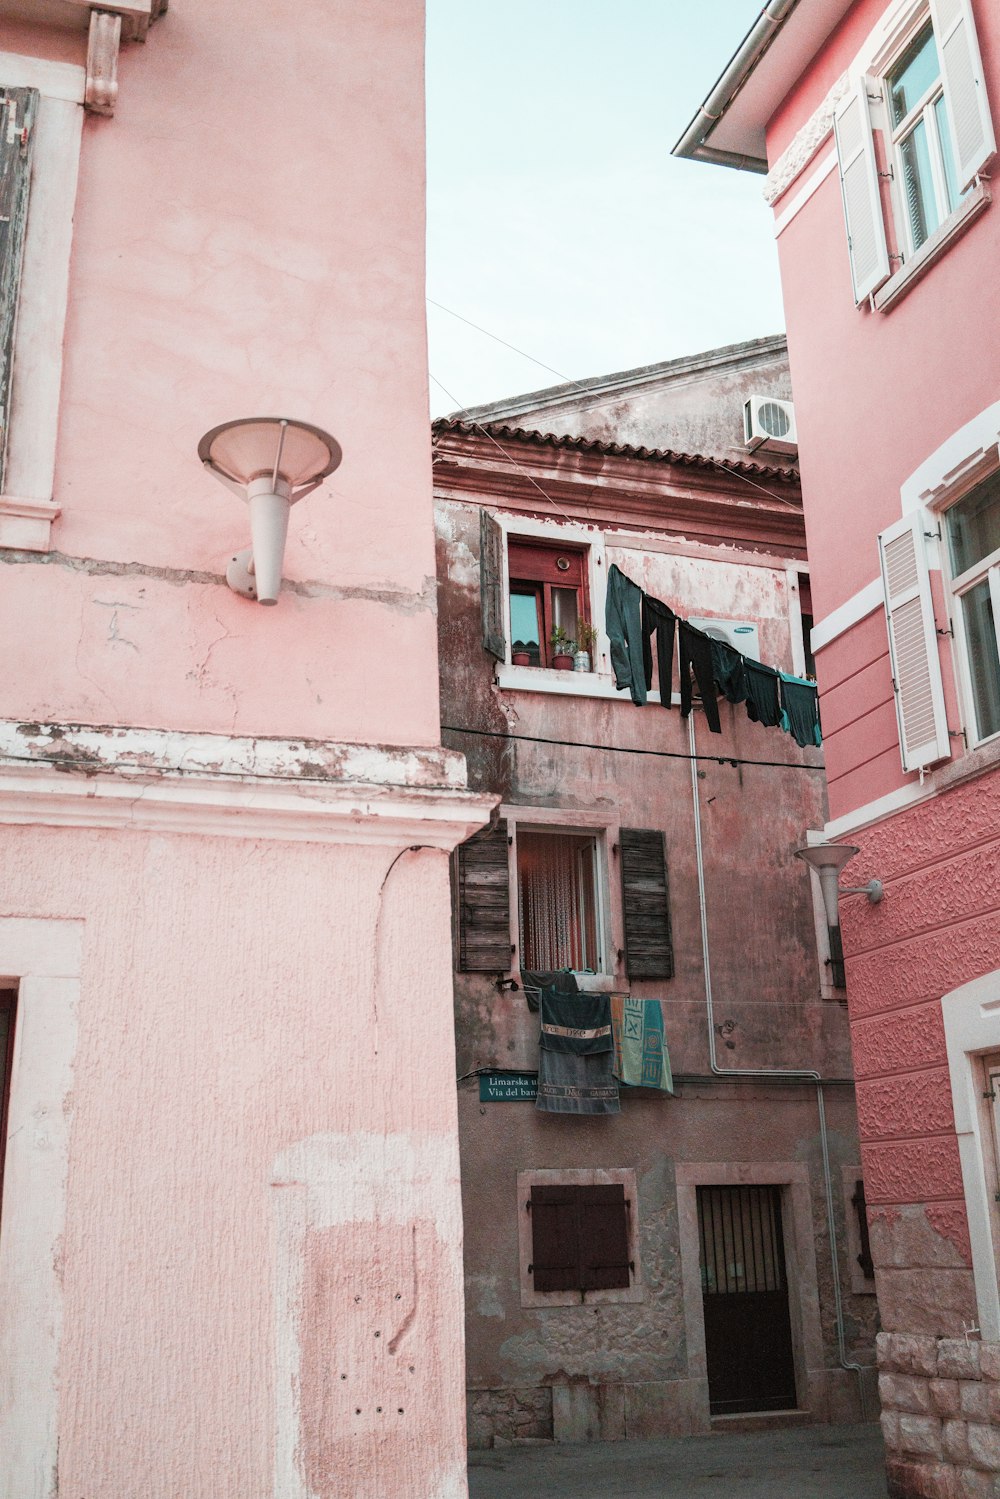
(741,634)
(769,422)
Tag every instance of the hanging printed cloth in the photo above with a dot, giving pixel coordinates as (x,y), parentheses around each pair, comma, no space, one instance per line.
(641,1056)
(800,710)
(576,1052)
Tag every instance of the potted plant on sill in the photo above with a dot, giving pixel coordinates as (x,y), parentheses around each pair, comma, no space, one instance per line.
(586,639)
(562,649)
(520,654)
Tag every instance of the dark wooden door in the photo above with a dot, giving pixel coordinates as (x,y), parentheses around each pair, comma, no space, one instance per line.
(748,1335)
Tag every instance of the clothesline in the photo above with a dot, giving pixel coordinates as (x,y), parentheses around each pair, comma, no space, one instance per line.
(773,698)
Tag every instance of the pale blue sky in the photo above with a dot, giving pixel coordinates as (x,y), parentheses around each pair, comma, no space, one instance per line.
(557,217)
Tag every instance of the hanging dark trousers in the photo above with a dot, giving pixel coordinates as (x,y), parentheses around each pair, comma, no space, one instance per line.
(623,622)
(658,620)
(762,694)
(695,654)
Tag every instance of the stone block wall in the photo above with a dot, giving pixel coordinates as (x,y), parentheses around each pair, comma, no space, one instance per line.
(940,1416)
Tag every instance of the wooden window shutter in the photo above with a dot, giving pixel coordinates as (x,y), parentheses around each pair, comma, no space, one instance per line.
(491,585)
(603,1231)
(17,120)
(484,902)
(859,183)
(965,99)
(649,948)
(913,644)
(555,1259)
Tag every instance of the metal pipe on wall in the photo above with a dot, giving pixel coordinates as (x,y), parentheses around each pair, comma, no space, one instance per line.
(804,1073)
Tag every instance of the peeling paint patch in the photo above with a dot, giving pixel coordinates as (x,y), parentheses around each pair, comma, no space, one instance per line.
(952,1223)
(90,748)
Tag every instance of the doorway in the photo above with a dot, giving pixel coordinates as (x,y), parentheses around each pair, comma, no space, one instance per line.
(748,1335)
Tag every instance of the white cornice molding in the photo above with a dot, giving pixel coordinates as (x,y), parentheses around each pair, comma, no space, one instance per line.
(296,790)
(805,143)
(102,62)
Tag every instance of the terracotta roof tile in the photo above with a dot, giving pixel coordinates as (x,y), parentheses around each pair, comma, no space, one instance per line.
(501,432)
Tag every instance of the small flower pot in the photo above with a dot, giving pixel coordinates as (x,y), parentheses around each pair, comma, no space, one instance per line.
(581,661)
(521,658)
(562,662)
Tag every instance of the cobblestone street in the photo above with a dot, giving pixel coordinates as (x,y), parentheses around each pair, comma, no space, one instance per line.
(814,1462)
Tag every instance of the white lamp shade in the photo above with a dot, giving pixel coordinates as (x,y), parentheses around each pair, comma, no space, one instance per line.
(828,859)
(294,453)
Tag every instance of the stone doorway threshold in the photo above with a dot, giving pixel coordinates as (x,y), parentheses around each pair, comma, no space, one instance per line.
(804,1462)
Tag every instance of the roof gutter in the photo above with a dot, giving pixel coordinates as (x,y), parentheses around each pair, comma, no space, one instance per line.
(749,53)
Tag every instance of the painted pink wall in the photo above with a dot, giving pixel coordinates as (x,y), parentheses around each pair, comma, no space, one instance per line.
(263,1162)
(904,382)
(249,238)
(209,1045)
(876,394)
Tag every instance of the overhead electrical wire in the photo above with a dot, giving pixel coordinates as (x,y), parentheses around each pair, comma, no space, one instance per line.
(627,749)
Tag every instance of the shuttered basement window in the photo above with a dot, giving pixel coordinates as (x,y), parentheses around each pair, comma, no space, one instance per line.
(649,948)
(483,900)
(579,1238)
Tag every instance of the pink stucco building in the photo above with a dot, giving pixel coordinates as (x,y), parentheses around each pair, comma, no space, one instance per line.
(230,1245)
(875,125)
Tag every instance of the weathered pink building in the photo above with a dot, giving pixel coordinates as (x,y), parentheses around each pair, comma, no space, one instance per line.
(875,124)
(654,857)
(230,1247)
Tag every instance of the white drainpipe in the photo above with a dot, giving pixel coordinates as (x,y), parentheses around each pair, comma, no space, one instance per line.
(806,1073)
(750,50)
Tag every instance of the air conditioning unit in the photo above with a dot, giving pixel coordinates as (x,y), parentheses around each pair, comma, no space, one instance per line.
(768,422)
(741,634)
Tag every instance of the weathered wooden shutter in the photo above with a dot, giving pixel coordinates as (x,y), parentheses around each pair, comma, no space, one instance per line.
(17,120)
(649,948)
(555,1260)
(965,98)
(913,645)
(484,902)
(603,1234)
(866,242)
(860,1207)
(491,585)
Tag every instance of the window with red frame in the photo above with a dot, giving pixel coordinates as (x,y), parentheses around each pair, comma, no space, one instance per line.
(548,590)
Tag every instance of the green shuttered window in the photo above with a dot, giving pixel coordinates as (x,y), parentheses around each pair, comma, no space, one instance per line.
(17,119)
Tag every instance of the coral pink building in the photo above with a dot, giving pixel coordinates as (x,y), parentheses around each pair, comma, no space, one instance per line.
(230,1247)
(875,124)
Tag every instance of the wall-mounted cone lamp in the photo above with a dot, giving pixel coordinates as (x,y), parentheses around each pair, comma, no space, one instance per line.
(828,859)
(271,463)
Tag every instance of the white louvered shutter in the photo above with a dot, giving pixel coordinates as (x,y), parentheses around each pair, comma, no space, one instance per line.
(964,87)
(866,241)
(913,644)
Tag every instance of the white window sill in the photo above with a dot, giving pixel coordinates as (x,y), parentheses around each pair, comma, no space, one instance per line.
(985,756)
(567,683)
(909,274)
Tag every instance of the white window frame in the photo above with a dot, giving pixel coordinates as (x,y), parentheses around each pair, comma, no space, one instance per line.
(599,681)
(883,48)
(896,135)
(593,1177)
(956,586)
(27,505)
(608,914)
(972,1030)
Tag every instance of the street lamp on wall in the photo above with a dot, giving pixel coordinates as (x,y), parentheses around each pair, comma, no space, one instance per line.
(828,859)
(271,462)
